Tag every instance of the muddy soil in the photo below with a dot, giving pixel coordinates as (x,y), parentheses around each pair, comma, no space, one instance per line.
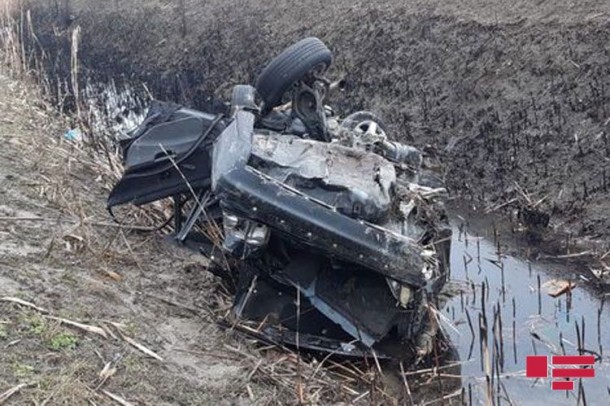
(513,98)
(59,251)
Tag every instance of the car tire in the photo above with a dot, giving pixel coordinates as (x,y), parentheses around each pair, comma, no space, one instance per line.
(289,67)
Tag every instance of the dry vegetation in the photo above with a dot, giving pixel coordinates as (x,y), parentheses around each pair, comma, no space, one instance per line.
(60,252)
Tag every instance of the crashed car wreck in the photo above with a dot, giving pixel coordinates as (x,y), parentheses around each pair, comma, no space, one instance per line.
(334,237)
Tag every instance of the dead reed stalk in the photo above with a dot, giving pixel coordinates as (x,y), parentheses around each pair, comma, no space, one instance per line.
(74,68)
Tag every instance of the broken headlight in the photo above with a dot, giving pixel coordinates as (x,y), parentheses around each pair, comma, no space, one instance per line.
(243,237)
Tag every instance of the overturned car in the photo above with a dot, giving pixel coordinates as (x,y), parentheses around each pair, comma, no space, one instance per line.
(334,237)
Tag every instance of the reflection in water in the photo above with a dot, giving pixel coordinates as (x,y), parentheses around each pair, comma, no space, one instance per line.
(503,314)
(115,110)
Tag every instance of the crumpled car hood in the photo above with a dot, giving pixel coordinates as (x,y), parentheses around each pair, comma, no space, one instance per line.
(358,183)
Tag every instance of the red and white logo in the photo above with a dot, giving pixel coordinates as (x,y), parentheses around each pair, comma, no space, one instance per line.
(564,369)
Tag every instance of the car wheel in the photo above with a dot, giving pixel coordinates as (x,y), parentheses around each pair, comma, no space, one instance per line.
(289,67)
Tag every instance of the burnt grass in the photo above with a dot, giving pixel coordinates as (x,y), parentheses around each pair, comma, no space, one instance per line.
(506,104)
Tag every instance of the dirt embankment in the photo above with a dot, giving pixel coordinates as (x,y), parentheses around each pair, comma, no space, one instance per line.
(59,251)
(514,98)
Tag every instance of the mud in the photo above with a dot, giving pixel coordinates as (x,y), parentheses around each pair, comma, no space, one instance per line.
(513,99)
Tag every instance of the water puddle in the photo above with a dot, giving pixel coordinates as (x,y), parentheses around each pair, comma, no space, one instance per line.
(115,110)
(506,305)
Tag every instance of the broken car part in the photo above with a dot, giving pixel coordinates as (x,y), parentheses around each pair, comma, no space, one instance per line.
(323,225)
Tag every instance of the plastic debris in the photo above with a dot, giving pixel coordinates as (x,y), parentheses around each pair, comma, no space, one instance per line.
(73,135)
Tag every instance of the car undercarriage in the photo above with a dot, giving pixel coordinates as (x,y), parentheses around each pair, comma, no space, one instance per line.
(333,236)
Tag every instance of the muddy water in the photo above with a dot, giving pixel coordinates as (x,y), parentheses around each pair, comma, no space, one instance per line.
(509,293)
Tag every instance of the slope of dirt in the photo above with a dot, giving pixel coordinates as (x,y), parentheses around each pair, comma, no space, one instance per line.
(513,97)
(58,251)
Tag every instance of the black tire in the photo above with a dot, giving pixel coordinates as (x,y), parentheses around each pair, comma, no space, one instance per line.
(289,67)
